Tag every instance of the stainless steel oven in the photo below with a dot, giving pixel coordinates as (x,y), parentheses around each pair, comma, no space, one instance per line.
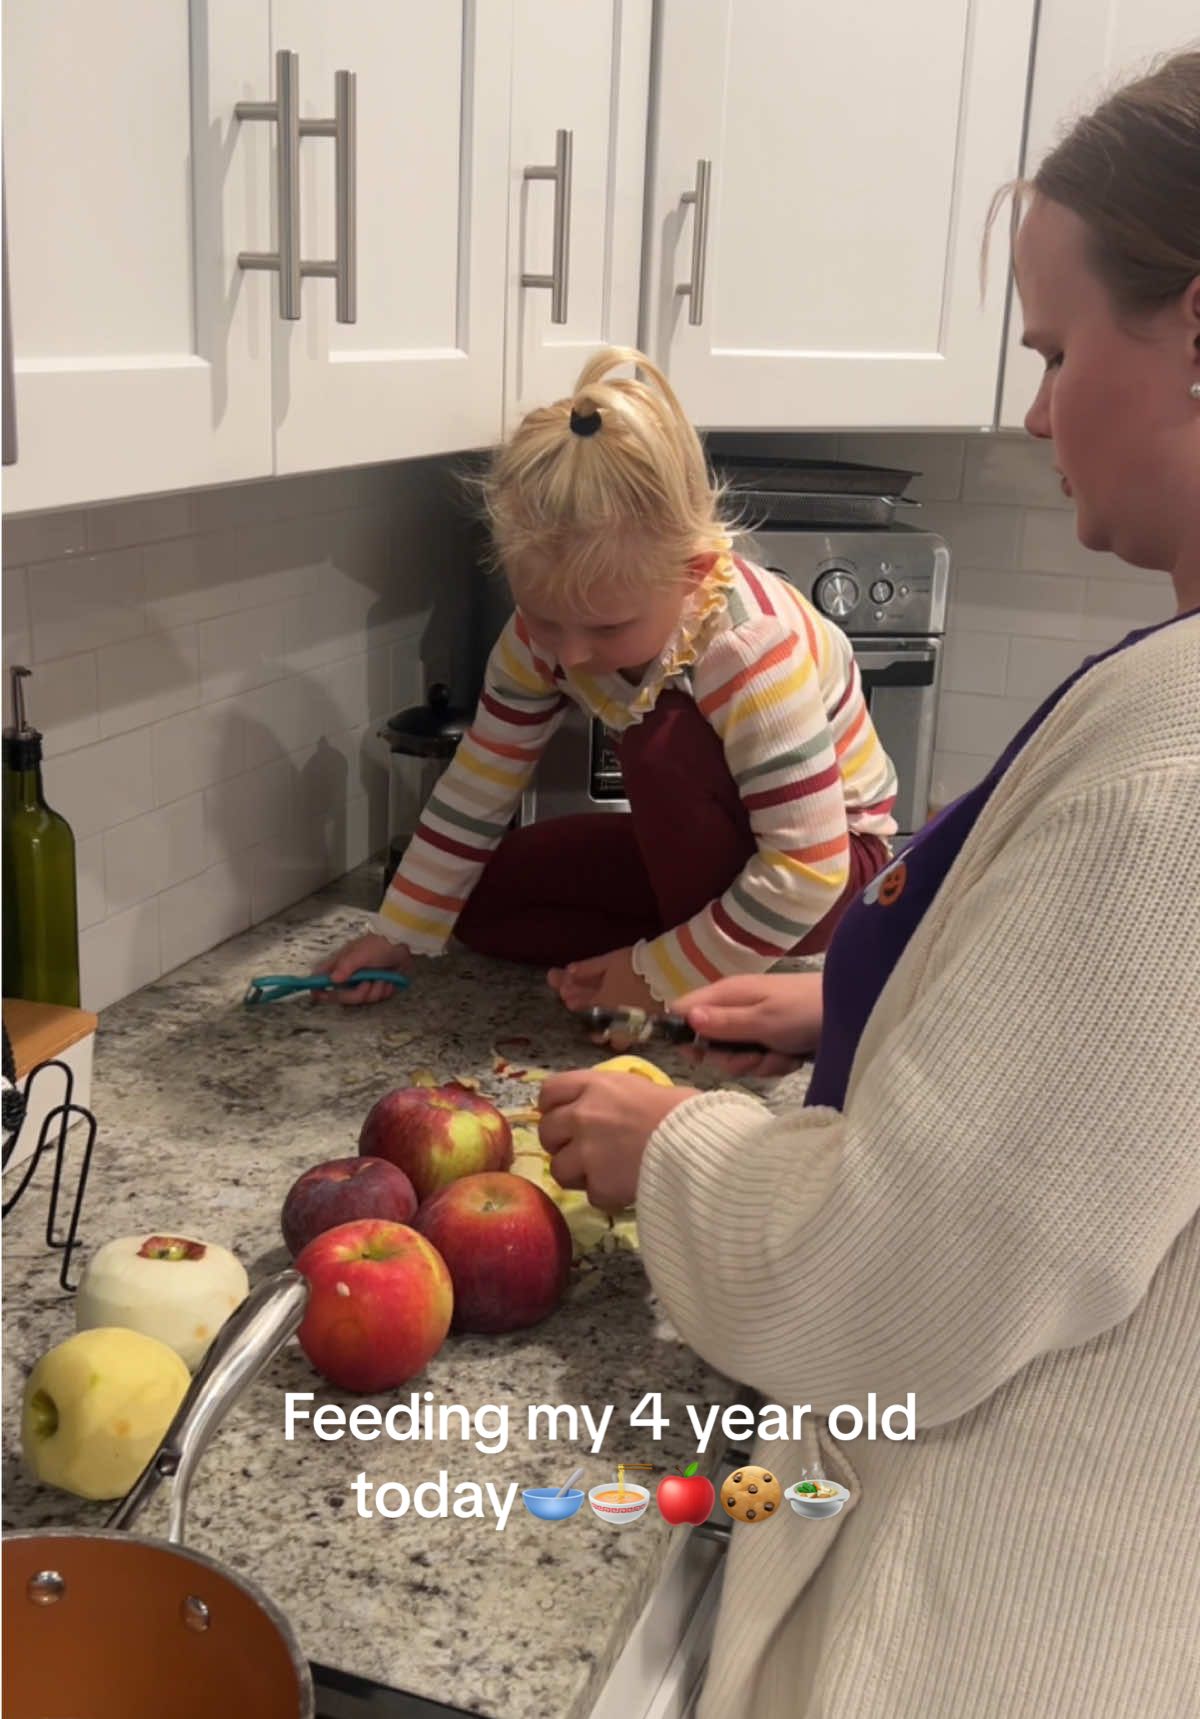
(886,589)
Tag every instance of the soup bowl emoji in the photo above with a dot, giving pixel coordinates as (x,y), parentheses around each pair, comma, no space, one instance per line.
(826,1500)
(613,1503)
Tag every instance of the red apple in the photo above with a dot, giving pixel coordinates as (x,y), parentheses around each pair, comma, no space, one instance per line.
(436,1134)
(379,1305)
(341,1191)
(507,1247)
(686,1497)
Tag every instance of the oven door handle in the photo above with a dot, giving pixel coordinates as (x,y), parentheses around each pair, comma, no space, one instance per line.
(897,668)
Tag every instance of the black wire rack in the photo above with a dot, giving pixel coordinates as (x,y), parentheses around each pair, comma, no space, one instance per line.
(54,1136)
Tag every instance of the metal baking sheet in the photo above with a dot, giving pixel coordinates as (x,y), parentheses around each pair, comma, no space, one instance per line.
(811,477)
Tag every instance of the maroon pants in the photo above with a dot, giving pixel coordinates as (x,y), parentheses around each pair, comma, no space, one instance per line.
(574,887)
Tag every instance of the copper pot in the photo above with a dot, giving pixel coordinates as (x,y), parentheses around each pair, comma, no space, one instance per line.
(103,1624)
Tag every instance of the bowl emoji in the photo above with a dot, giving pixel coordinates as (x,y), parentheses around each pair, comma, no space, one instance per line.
(613,1503)
(805,1504)
(544,1501)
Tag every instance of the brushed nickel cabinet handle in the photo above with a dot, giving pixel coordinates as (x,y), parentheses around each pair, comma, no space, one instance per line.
(287,261)
(693,290)
(556,280)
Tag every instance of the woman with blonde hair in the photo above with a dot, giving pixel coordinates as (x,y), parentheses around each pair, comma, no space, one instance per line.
(990,1197)
(760,797)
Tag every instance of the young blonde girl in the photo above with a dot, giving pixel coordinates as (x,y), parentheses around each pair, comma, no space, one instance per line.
(760,795)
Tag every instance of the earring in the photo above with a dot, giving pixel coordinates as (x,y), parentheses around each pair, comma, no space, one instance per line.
(1194,390)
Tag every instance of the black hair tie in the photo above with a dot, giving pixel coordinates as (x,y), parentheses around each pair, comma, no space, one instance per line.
(585,423)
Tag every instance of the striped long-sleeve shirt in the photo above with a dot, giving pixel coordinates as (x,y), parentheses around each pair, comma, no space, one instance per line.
(780,687)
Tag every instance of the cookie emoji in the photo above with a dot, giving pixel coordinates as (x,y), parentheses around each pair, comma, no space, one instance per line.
(751,1494)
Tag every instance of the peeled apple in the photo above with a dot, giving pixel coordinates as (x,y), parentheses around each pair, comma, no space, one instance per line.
(96,1408)
(635,1065)
(169,1287)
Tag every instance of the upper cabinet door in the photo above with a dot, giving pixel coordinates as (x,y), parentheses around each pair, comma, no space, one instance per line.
(420,370)
(580,95)
(831,244)
(1084,49)
(142,352)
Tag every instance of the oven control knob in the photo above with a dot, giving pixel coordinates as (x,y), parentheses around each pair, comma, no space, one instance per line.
(882,591)
(837,593)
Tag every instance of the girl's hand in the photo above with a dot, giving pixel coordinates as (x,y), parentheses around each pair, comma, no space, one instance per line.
(371,950)
(596,1127)
(781,1010)
(604,981)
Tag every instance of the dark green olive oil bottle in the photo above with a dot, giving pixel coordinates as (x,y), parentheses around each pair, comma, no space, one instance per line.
(41,928)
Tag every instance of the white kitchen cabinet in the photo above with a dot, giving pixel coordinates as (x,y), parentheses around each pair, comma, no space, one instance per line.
(142,352)
(421,369)
(1084,49)
(580,71)
(147,358)
(830,247)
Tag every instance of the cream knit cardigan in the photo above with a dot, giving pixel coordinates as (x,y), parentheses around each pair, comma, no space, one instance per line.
(1003,1221)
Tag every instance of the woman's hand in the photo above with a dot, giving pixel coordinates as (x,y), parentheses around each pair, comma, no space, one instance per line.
(604,981)
(780,1010)
(371,950)
(596,1126)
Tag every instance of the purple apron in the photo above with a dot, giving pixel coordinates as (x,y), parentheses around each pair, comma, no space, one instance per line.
(875,929)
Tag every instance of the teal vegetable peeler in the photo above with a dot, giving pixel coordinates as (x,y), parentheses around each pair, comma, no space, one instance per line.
(271,987)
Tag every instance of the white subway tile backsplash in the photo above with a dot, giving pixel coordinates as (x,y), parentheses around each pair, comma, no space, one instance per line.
(282,875)
(191,579)
(148,679)
(974,662)
(249,810)
(149,854)
(119,955)
(1013,469)
(1112,609)
(281,560)
(956,773)
(122,523)
(280,718)
(204,911)
(1037,666)
(978,536)
(103,784)
(972,722)
(81,604)
(89,879)
(43,537)
(1042,605)
(192,751)
(210,670)
(61,699)
(1050,543)
(239,652)
(18,636)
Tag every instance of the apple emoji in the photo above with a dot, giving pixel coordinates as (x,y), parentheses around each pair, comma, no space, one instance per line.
(340,1191)
(379,1304)
(686,1497)
(507,1248)
(96,1407)
(436,1134)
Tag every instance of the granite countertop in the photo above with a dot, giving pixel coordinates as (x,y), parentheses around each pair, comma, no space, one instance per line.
(207,1112)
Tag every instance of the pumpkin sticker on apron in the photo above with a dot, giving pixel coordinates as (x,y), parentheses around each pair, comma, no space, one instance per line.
(888,886)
